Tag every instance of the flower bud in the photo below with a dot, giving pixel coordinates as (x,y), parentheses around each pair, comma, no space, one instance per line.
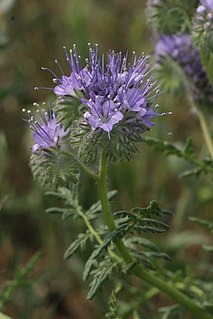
(202,32)
(170,16)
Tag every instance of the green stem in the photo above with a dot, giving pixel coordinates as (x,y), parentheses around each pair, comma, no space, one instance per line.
(138,270)
(106,207)
(95,234)
(207,60)
(3,316)
(206,133)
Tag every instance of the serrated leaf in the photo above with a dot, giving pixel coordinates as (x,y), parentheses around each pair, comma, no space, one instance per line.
(91,262)
(191,172)
(170,311)
(80,242)
(140,258)
(141,241)
(114,236)
(100,274)
(155,222)
(113,311)
(127,268)
(159,254)
(123,214)
(202,166)
(202,222)
(148,229)
(59,210)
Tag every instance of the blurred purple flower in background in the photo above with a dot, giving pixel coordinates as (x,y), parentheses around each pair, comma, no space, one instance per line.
(181,50)
(205,5)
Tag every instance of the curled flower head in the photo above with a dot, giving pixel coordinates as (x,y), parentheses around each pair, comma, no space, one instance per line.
(47,132)
(182,51)
(107,101)
(203,26)
(110,88)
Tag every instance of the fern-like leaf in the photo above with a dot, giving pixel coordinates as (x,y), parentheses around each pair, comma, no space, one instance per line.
(100,274)
(80,242)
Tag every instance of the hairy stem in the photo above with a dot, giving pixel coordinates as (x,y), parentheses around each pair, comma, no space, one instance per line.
(206,133)
(138,270)
(95,234)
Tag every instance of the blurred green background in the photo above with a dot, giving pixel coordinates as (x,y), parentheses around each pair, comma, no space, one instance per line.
(32,35)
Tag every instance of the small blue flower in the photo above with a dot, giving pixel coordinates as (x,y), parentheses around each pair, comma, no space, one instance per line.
(47,132)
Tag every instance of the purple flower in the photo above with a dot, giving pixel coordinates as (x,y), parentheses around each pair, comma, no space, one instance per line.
(47,132)
(103,115)
(112,88)
(204,16)
(207,4)
(67,86)
(181,50)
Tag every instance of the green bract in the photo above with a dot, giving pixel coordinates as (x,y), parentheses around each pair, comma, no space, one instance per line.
(170,16)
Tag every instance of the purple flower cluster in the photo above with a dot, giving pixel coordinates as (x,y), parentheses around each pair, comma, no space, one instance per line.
(46,131)
(111,88)
(181,50)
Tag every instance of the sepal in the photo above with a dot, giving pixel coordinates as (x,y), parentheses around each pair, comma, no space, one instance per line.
(171,76)
(68,109)
(53,169)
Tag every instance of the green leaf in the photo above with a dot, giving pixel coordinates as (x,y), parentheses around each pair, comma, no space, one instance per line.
(113,309)
(114,236)
(91,262)
(170,311)
(201,166)
(131,241)
(20,279)
(202,222)
(140,258)
(100,274)
(65,212)
(147,229)
(80,242)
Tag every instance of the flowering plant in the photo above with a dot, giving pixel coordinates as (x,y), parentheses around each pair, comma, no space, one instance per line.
(102,110)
